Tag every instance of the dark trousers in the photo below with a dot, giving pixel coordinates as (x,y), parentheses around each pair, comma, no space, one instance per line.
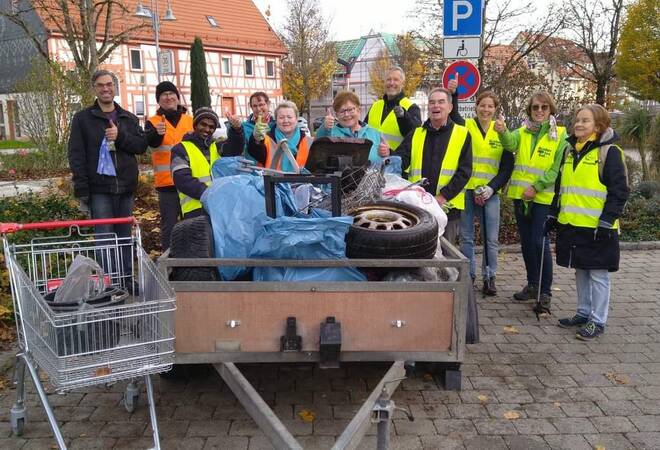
(530,228)
(106,206)
(170,212)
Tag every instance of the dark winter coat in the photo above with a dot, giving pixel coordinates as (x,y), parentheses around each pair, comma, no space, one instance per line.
(576,246)
(87,132)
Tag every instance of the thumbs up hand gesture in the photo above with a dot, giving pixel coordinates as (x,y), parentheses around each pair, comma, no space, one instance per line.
(500,126)
(161,128)
(329,119)
(260,129)
(453,84)
(111,132)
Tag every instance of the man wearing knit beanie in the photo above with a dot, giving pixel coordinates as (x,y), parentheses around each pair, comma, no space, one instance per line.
(164,130)
(205,113)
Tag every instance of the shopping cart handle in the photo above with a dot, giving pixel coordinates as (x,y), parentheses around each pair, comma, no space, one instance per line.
(6,228)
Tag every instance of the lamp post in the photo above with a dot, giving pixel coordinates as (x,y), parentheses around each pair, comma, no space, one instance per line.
(153,14)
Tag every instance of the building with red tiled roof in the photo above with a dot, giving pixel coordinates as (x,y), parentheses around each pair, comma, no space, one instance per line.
(243,54)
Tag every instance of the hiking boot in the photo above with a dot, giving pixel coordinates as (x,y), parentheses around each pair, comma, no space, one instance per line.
(573,321)
(590,331)
(529,292)
(489,287)
(543,307)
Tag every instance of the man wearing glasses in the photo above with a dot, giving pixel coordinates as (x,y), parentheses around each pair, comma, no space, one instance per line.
(104,141)
(395,115)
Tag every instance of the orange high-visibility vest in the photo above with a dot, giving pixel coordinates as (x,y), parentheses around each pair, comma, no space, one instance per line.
(301,156)
(162,155)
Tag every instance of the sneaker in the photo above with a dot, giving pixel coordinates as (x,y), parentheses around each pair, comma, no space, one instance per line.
(573,321)
(489,287)
(529,292)
(590,331)
(543,307)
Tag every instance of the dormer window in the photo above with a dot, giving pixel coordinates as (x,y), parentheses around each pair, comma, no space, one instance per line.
(212,21)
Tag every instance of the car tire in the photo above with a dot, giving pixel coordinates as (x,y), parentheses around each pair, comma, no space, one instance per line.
(388,229)
(193,238)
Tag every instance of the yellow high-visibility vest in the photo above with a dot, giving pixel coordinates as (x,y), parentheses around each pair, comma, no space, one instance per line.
(530,167)
(581,193)
(201,169)
(389,127)
(486,153)
(449,162)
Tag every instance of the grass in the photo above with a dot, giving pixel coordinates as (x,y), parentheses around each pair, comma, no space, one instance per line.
(17,144)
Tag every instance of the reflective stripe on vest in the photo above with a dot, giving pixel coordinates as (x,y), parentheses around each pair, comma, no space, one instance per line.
(389,128)
(201,169)
(161,156)
(301,155)
(529,166)
(449,162)
(581,194)
(486,153)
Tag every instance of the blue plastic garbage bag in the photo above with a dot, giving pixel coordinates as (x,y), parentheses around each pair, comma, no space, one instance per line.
(394,165)
(226,166)
(105,165)
(237,209)
(303,238)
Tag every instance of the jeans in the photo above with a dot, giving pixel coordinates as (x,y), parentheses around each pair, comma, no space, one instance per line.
(170,211)
(530,229)
(106,206)
(490,212)
(593,292)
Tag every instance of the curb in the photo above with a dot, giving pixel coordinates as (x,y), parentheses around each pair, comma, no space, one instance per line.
(625,246)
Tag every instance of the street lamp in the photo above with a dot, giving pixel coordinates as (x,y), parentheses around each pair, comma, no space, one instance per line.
(153,14)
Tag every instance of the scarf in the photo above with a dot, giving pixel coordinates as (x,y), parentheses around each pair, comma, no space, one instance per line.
(292,143)
(534,127)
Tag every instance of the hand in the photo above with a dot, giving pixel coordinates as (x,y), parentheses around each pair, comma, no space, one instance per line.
(487,193)
(234,121)
(453,84)
(479,200)
(500,125)
(440,199)
(549,225)
(83,205)
(111,132)
(329,120)
(602,234)
(260,130)
(161,128)
(398,111)
(529,193)
(383,149)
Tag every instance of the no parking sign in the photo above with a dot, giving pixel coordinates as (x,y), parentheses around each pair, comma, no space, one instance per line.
(468,78)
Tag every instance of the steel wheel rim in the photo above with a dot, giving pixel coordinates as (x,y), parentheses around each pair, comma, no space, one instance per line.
(383,219)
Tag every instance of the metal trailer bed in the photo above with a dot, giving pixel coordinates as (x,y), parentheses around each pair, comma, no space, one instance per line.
(227,323)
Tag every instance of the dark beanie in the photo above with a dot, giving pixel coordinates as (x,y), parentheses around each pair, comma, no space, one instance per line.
(205,113)
(165,86)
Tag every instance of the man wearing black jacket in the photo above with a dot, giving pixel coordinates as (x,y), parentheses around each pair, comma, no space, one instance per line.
(100,193)
(447,167)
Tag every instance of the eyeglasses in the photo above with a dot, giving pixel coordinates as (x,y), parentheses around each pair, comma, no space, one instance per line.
(346,111)
(104,85)
(537,107)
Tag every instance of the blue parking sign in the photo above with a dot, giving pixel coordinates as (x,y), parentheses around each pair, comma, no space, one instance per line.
(463,17)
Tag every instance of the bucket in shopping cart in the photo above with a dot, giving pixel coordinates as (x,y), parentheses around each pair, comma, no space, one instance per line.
(89,331)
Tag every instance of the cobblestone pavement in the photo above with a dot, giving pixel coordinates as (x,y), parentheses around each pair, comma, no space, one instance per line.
(527,385)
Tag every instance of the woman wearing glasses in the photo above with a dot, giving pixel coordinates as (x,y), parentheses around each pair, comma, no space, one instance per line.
(538,145)
(346,106)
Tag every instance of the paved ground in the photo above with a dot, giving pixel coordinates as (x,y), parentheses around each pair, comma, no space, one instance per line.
(527,385)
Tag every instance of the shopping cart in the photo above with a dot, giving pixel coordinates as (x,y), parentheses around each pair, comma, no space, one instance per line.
(128,334)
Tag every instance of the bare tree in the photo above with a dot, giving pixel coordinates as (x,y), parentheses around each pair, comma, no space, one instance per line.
(92,29)
(595,27)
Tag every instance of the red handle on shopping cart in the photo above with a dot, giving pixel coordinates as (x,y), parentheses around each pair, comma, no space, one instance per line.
(6,228)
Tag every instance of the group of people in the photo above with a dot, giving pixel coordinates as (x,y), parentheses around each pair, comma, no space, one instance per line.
(575,184)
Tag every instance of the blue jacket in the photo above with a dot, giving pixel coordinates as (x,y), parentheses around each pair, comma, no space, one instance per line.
(366,132)
(248,128)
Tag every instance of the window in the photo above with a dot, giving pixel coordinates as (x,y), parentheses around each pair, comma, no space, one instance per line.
(139,105)
(136,59)
(270,69)
(226,65)
(3,135)
(249,67)
(212,21)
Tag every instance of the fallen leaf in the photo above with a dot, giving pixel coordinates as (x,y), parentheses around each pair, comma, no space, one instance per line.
(510,329)
(617,378)
(599,447)
(512,415)
(307,415)
(557,404)
(482,398)
(427,377)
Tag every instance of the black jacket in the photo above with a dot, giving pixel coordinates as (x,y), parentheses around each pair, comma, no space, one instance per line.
(87,132)
(576,246)
(411,119)
(505,169)
(435,147)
